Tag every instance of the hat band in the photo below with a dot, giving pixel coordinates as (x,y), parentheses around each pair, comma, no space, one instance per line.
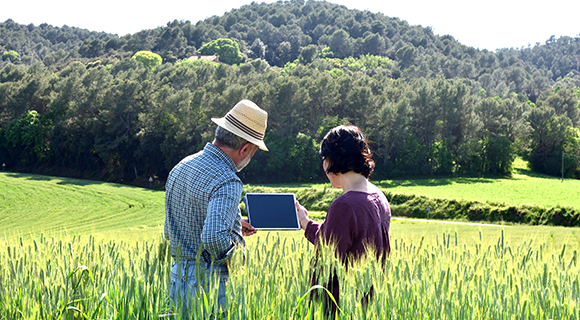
(251,132)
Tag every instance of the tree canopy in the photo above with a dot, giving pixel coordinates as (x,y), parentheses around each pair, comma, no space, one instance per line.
(148,58)
(429,105)
(10,55)
(227,50)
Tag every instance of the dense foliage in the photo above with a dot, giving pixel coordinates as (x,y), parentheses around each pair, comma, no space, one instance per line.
(148,59)
(227,49)
(429,105)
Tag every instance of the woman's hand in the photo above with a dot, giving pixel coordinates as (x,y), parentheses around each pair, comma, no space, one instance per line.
(302,215)
(247,229)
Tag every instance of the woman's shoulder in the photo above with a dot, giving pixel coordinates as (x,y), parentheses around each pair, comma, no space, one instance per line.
(361,199)
(351,199)
(371,192)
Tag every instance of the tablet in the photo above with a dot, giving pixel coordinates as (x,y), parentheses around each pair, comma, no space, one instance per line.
(272,211)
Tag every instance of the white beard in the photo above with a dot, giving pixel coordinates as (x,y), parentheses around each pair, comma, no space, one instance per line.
(244,162)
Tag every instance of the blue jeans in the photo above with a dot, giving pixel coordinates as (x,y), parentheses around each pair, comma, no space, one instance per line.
(186,283)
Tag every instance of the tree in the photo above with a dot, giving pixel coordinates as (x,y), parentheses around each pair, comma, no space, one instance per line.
(565,102)
(308,54)
(406,56)
(10,55)
(258,49)
(373,44)
(547,140)
(496,152)
(391,126)
(148,59)
(291,158)
(341,43)
(92,49)
(283,53)
(424,123)
(26,138)
(572,154)
(171,39)
(228,50)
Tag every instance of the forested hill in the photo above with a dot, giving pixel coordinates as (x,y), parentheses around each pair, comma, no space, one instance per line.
(74,102)
(277,33)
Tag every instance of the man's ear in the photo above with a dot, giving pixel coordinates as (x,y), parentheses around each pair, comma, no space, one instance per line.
(245,149)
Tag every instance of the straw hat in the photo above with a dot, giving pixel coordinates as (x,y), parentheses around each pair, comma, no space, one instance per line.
(246,120)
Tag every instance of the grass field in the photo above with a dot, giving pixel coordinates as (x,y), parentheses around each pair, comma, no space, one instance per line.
(435,271)
(33,204)
(73,249)
(525,187)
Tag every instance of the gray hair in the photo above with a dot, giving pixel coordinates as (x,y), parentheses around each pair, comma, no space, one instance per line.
(228,139)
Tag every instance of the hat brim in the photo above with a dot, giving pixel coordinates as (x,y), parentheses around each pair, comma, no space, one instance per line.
(226,125)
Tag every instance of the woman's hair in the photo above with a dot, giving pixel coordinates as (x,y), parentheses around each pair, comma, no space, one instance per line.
(346,149)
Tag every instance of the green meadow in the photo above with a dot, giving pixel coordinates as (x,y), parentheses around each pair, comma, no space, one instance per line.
(75,249)
(34,204)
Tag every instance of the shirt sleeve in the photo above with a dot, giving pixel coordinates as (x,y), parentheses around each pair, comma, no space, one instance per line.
(166,231)
(311,232)
(339,226)
(218,234)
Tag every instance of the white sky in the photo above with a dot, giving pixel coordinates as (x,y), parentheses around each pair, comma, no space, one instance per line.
(489,24)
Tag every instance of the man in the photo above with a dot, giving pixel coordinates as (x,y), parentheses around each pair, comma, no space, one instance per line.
(202,219)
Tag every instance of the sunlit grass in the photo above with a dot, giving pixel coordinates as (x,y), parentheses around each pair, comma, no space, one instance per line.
(434,272)
(524,187)
(34,204)
(73,249)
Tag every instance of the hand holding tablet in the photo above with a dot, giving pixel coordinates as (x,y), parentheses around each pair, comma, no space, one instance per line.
(247,228)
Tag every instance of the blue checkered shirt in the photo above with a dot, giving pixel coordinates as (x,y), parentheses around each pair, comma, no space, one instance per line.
(202,216)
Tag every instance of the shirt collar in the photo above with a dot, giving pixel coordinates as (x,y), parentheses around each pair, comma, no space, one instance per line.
(220,154)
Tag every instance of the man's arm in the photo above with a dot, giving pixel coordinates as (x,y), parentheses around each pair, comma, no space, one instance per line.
(223,216)
(167,210)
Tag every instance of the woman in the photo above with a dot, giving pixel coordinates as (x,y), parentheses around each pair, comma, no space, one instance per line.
(361,216)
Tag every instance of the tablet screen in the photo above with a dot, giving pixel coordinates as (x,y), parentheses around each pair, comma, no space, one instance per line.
(272,211)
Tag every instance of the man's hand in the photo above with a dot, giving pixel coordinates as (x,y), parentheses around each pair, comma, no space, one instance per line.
(247,229)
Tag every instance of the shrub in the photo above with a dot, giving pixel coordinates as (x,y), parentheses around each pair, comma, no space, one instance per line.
(415,206)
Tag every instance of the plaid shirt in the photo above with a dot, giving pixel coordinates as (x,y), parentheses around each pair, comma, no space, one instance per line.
(202,194)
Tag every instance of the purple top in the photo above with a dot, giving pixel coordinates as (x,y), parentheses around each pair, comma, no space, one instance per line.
(355,219)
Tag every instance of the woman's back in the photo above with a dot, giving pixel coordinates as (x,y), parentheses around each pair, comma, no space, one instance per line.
(354,221)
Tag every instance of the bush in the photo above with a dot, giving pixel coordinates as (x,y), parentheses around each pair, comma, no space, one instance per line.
(311,198)
(415,206)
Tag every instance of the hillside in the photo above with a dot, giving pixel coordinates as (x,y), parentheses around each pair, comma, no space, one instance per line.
(278,32)
(34,204)
(74,103)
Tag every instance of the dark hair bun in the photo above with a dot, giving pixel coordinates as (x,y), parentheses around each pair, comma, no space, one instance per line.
(346,149)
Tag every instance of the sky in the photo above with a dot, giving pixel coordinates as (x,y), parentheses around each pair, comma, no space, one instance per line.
(490,24)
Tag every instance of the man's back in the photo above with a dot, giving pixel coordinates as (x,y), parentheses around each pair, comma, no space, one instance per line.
(202,217)
(200,184)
